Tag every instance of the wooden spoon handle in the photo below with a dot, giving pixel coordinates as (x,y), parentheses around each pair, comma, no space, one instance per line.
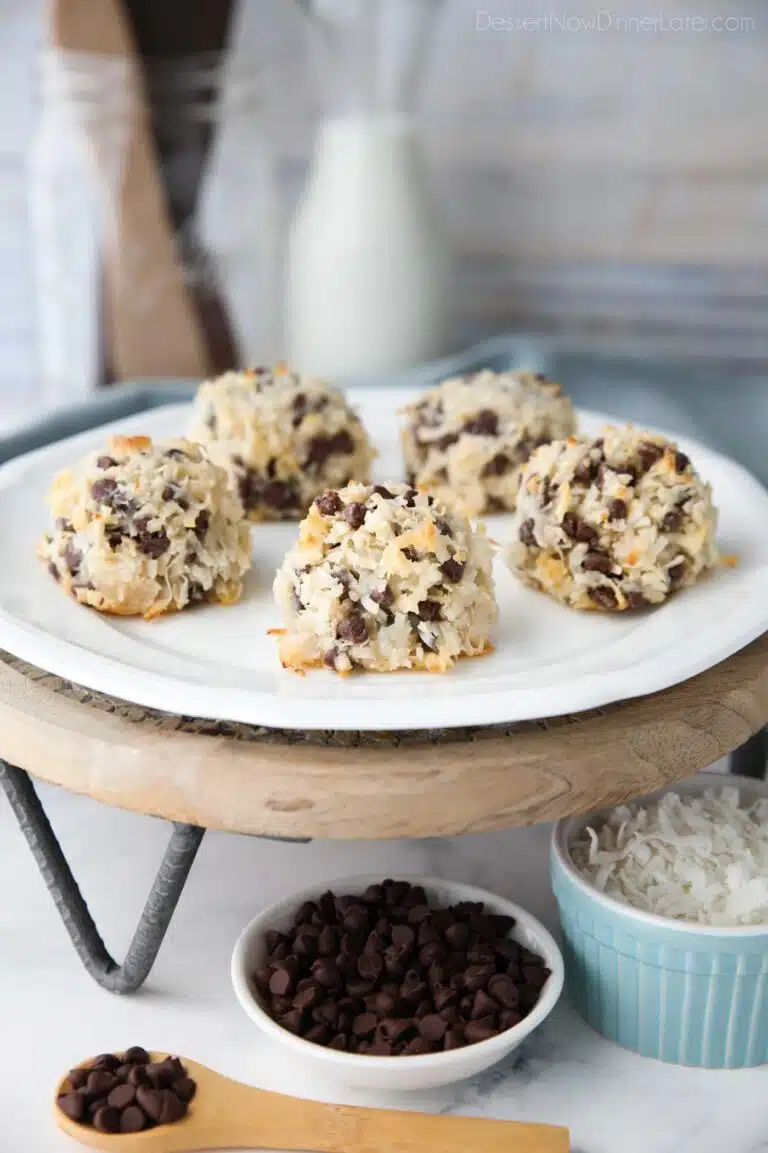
(297,1124)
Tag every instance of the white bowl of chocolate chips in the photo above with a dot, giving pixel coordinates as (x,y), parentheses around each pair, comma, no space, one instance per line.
(402,983)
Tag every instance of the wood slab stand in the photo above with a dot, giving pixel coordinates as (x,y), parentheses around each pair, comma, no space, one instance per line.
(299,785)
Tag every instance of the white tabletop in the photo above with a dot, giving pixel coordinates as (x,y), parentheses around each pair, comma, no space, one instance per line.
(52,1014)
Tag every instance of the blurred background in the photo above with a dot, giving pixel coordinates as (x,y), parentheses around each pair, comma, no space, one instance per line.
(603,192)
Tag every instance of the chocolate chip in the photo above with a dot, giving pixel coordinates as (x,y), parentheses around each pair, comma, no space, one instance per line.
(595,561)
(329,503)
(382,491)
(202,523)
(137,1076)
(326,973)
(354,514)
(279,495)
(121,1096)
(329,657)
(352,628)
(100,1083)
(682,462)
(106,462)
(410,554)
(504,990)
(447,441)
(409,497)
(185,1088)
(132,1120)
(432,1027)
(281,983)
(636,600)
(102,490)
(364,1025)
(486,423)
(527,535)
(107,1120)
(587,470)
(483,1005)
(480,1030)
(603,596)
(617,509)
(453,569)
(498,466)
(72,1104)
(672,521)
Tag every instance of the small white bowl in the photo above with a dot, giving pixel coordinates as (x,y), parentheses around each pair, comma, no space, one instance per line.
(362,1071)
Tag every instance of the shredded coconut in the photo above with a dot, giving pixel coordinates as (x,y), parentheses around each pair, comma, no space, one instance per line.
(696,858)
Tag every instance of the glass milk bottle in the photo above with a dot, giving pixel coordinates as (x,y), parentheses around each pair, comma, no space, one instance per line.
(368,271)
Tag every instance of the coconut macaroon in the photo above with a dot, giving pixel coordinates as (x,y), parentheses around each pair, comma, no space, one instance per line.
(142,529)
(615,523)
(465,440)
(384,578)
(283,438)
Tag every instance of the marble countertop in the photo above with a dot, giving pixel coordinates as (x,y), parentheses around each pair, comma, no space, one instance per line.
(52,1014)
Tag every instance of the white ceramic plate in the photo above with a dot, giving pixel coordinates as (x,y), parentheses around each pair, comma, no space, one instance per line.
(219,663)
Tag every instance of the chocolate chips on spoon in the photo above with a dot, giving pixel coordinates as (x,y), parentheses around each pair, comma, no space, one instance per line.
(386,973)
(127,1093)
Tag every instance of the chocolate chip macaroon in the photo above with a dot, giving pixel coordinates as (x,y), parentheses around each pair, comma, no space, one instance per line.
(143,528)
(612,523)
(465,440)
(384,577)
(283,437)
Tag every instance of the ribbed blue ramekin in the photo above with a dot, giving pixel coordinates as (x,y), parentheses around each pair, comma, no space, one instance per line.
(689,994)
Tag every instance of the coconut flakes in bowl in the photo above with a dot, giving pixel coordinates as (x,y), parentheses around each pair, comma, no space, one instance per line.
(700,858)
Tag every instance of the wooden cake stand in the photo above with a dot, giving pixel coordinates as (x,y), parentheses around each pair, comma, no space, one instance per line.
(299,785)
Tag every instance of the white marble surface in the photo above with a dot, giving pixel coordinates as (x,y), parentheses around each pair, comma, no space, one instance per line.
(52,1014)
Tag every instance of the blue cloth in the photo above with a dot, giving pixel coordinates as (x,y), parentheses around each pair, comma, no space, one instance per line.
(729,412)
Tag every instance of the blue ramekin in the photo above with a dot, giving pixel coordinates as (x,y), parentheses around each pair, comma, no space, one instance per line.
(688,994)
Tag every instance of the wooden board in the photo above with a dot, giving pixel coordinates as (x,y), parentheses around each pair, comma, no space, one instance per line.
(374,785)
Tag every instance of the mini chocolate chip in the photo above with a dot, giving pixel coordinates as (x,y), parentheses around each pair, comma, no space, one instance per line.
(586,471)
(53,570)
(72,1104)
(498,466)
(202,523)
(430,610)
(73,558)
(453,569)
(648,453)
(578,529)
(102,489)
(617,509)
(410,554)
(132,1120)
(409,497)
(383,597)
(354,514)
(106,462)
(329,657)
(107,1120)
(382,491)
(526,534)
(672,521)
(603,596)
(636,600)
(329,503)
(153,544)
(595,561)
(676,572)
(352,628)
(486,423)
(682,462)
(446,442)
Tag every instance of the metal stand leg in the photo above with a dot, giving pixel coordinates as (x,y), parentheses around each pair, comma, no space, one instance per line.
(751,758)
(163,898)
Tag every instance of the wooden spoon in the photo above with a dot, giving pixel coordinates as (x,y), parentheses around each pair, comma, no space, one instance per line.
(226,1114)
